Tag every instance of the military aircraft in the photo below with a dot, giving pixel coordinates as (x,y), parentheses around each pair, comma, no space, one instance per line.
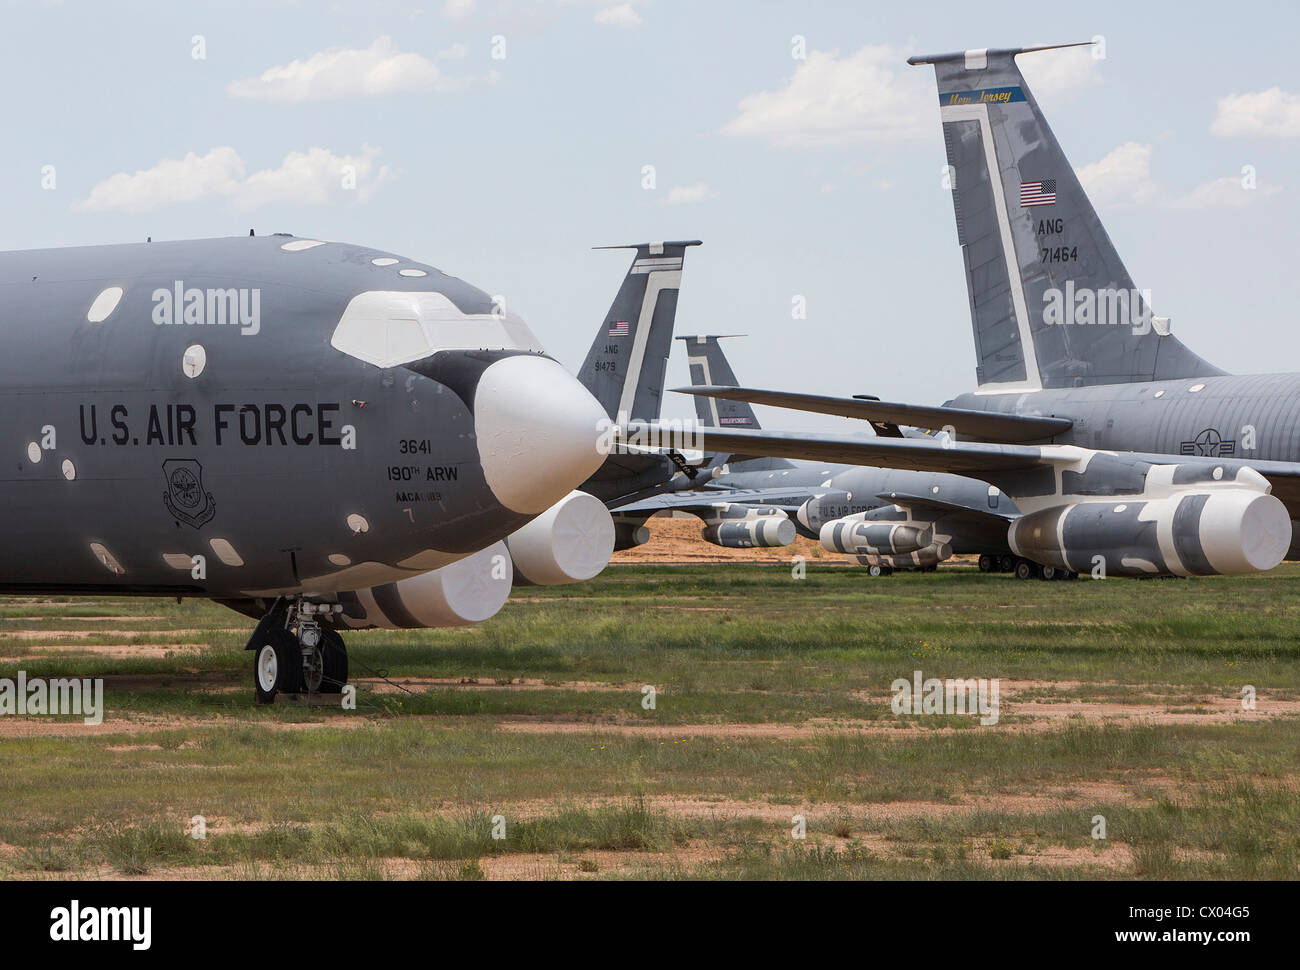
(320,434)
(1201,470)
(884,518)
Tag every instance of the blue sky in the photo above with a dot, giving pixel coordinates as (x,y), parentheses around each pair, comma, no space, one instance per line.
(817,177)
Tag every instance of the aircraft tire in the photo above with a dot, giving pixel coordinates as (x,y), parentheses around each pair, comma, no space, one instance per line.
(1006,564)
(1026,569)
(1049,573)
(878,570)
(988,564)
(336,662)
(277,666)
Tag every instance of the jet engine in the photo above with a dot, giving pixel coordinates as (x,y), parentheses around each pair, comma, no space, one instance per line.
(469,590)
(826,507)
(570,542)
(856,535)
(930,555)
(736,526)
(630,530)
(1225,531)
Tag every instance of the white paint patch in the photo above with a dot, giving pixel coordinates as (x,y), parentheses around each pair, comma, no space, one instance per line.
(226,552)
(411,272)
(977,60)
(383,261)
(33,452)
(358,524)
(106,558)
(1196,388)
(298,245)
(69,469)
(194,360)
(389,327)
(104,304)
(338,559)
(179,560)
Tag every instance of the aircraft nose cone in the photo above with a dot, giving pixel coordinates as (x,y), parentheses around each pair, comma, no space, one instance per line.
(540,433)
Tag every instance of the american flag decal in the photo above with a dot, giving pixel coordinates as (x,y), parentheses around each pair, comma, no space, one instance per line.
(1037,193)
(620,329)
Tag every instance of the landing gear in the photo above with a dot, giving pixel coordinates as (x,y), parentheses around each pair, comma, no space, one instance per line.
(988,564)
(879,570)
(294,652)
(277,666)
(1006,564)
(1049,572)
(1026,569)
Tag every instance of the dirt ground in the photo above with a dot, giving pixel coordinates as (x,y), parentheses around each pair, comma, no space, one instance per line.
(677,539)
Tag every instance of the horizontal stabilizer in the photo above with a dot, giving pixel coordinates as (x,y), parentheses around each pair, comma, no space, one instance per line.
(980,425)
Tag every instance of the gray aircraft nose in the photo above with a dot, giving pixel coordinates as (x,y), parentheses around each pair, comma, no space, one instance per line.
(540,433)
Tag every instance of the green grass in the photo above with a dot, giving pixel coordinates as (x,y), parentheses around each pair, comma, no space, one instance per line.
(299,791)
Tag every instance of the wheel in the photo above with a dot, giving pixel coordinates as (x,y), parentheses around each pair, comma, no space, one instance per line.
(1049,573)
(876,570)
(277,666)
(1006,564)
(1026,569)
(335,654)
(988,564)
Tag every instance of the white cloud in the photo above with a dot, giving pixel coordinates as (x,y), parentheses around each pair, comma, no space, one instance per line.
(314,177)
(457,9)
(1273,112)
(1123,177)
(1221,193)
(1059,73)
(837,101)
(686,194)
(622,15)
(340,72)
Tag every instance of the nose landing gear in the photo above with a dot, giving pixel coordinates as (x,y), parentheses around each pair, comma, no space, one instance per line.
(295,653)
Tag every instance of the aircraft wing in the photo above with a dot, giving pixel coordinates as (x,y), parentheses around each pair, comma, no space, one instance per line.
(919,454)
(931,505)
(983,425)
(993,463)
(786,499)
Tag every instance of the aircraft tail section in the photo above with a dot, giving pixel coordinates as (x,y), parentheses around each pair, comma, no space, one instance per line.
(625,366)
(1052,304)
(709,365)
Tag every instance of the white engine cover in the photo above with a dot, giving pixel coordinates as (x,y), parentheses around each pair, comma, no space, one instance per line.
(570,542)
(469,590)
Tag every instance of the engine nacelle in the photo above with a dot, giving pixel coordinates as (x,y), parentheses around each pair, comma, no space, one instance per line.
(570,542)
(1229,531)
(856,535)
(630,531)
(931,555)
(829,506)
(469,590)
(761,531)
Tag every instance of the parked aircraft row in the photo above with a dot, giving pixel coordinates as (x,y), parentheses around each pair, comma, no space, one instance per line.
(329,437)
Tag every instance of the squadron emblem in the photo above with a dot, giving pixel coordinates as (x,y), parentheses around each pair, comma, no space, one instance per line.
(185,497)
